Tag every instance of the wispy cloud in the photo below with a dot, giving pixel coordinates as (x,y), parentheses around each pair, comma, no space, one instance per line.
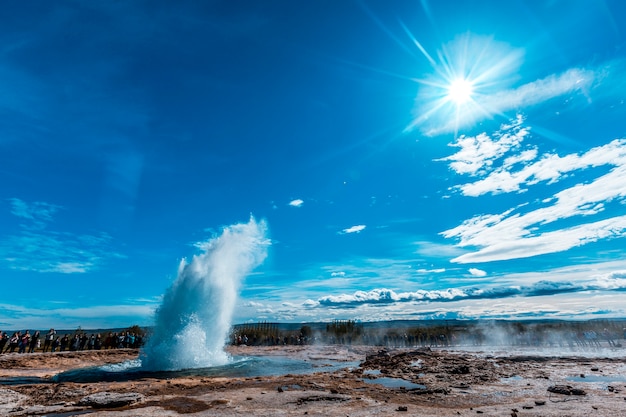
(528,95)
(503,164)
(39,213)
(296,203)
(68,317)
(36,248)
(489,66)
(354,229)
(478,153)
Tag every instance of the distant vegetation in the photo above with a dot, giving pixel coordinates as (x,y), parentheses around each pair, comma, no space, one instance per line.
(427,333)
(548,333)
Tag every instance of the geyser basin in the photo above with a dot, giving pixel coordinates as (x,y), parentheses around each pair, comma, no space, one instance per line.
(237,367)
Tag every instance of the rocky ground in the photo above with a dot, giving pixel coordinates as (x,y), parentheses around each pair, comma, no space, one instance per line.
(406,381)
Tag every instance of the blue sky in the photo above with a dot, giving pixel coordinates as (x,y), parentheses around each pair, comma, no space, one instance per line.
(412,159)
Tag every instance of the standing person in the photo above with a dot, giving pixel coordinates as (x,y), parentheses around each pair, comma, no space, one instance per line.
(14,342)
(4,338)
(75,343)
(24,342)
(33,342)
(65,341)
(49,339)
(55,344)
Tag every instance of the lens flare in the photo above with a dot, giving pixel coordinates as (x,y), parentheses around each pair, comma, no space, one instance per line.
(460,91)
(466,72)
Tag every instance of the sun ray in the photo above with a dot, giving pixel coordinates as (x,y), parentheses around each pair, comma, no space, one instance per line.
(466,72)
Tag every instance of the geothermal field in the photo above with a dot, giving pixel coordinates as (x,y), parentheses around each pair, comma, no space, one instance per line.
(323,380)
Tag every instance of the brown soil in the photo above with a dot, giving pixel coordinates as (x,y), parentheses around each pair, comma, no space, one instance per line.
(450,383)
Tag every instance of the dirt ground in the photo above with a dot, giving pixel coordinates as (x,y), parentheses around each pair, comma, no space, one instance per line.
(407,381)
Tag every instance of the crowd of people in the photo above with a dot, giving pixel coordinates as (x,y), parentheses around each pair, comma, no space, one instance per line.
(25,342)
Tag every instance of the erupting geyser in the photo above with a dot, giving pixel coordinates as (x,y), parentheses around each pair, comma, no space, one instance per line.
(194,320)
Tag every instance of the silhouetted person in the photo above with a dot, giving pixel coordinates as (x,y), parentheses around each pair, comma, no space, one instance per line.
(33,342)
(55,344)
(65,341)
(4,339)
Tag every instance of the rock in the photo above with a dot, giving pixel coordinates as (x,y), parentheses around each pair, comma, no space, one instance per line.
(10,400)
(460,370)
(402,408)
(110,399)
(566,390)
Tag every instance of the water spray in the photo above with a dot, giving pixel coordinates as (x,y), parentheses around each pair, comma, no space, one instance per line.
(194,319)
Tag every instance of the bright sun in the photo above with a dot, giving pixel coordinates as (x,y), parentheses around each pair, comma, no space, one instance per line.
(460,91)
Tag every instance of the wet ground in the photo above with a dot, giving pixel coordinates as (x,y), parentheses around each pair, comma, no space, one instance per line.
(373,381)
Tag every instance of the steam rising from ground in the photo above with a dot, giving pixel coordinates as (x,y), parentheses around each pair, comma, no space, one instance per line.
(194,319)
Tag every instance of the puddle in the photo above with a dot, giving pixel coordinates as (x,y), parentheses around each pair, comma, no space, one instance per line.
(253,366)
(512,378)
(395,383)
(597,378)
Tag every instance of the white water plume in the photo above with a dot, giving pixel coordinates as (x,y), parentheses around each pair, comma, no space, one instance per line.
(194,319)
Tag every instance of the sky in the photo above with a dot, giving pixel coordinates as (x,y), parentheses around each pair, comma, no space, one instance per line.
(411,159)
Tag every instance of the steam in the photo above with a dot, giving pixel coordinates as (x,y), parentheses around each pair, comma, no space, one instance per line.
(193,322)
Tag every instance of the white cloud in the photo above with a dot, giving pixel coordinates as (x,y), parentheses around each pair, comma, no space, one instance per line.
(533,229)
(296,203)
(574,79)
(310,303)
(354,229)
(538,288)
(436,250)
(338,274)
(550,168)
(478,153)
(431,271)
(548,242)
(477,272)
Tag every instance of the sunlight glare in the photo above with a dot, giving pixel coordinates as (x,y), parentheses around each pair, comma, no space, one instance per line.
(460,91)
(466,75)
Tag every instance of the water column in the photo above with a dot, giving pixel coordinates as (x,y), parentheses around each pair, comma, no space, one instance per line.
(193,322)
